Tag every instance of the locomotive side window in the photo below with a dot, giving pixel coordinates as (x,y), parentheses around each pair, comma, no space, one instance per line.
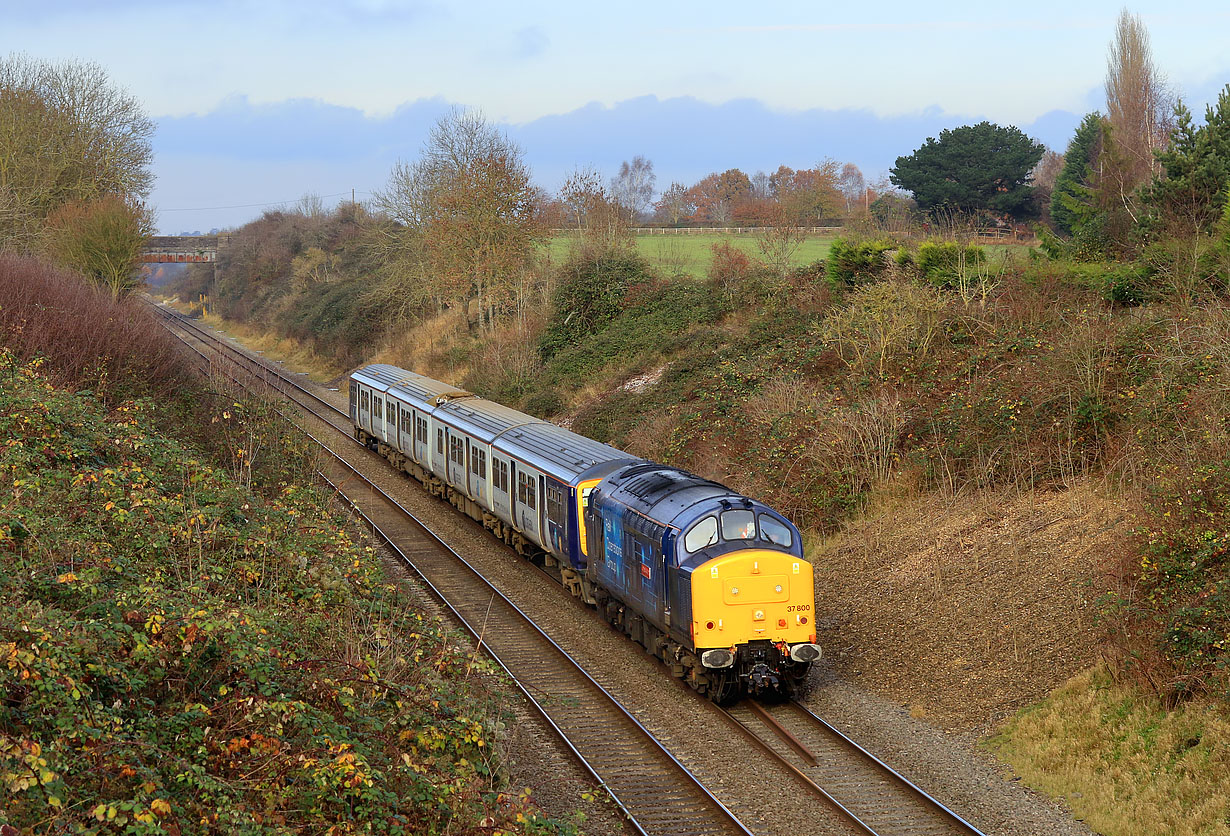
(704,533)
(738,525)
(775,532)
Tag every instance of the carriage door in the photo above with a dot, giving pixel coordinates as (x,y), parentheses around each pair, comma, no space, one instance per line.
(354,402)
(421,450)
(439,459)
(456,460)
(527,503)
(478,472)
(405,429)
(557,519)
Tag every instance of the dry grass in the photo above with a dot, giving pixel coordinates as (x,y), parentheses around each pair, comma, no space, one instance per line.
(969,607)
(1124,764)
(285,350)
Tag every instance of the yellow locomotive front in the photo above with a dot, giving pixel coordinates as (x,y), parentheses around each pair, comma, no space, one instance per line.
(752,617)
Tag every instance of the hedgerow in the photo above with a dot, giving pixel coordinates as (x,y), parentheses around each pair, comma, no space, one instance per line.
(179,655)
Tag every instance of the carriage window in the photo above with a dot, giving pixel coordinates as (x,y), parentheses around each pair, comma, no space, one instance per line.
(704,533)
(420,427)
(478,463)
(775,532)
(405,421)
(366,402)
(738,525)
(457,451)
(527,493)
(378,408)
(501,475)
(440,441)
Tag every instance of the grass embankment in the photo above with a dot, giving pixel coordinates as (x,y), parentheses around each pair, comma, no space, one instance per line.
(1123,762)
(190,640)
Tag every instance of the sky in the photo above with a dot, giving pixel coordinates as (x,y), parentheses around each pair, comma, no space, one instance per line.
(260,103)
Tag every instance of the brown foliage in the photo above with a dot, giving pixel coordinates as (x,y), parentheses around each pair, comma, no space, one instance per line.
(86,338)
(101,239)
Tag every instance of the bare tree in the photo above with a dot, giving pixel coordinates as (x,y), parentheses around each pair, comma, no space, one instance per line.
(675,205)
(469,211)
(601,222)
(761,190)
(632,188)
(1139,104)
(67,134)
(1043,177)
(778,239)
(853,186)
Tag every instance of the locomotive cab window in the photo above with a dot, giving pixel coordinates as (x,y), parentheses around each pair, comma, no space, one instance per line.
(738,525)
(704,533)
(775,532)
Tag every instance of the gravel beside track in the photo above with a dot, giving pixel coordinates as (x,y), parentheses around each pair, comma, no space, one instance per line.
(763,795)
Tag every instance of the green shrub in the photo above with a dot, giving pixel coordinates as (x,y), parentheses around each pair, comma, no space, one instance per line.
(944,263)
(172,660)
(1127,285)
(856,262)
(589,294)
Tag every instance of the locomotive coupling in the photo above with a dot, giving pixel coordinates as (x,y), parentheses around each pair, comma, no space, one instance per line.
(805,652)
(720,658)
(762,679)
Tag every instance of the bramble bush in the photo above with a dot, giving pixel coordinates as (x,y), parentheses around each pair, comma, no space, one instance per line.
(179,655)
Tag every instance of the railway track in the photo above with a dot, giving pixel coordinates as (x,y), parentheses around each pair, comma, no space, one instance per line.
(659,794)
(873,797)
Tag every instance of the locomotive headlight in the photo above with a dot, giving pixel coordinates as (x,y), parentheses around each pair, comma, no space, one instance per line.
(778,588)
(758,615)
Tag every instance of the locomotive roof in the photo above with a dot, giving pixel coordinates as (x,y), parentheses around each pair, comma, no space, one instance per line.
(669,495)
(560,452)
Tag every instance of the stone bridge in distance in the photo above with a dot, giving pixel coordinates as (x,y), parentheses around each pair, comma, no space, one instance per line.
(183,249)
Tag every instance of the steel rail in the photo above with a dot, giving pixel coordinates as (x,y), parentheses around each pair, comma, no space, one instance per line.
(873,796)
(654,789)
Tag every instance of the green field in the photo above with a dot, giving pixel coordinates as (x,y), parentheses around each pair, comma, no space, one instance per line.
(691,254)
